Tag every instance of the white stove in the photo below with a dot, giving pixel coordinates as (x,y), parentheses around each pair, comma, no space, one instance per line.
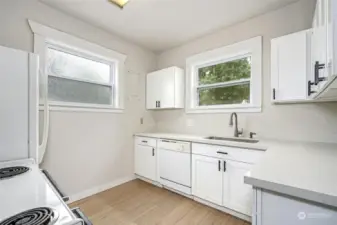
(30,190)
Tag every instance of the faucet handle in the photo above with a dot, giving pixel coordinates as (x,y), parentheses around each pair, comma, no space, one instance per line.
(240,132)
(251,134)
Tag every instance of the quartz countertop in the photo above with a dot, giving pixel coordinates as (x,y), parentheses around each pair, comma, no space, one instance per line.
(306,170)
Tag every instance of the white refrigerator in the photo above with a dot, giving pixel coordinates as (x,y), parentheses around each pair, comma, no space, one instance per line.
(18,105)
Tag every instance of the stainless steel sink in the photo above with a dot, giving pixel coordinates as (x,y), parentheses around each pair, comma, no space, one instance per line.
(232,139)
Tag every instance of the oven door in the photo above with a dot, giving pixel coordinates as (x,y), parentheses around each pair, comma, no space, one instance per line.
(175,166)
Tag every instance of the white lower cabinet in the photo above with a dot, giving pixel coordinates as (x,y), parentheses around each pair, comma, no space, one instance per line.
(145,161)
(236,194)
(207,178)
(221,181)
(217,172)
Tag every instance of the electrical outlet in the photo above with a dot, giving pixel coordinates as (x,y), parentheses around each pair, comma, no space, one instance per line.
(142,120)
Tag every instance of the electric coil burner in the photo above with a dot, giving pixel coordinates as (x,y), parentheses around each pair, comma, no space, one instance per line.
(36,216)
(10,172)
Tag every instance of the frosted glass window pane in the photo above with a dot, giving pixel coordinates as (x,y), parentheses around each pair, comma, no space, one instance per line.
(67,65)
(65,90)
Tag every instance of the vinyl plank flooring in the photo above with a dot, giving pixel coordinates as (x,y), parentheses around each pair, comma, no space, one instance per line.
(140,203)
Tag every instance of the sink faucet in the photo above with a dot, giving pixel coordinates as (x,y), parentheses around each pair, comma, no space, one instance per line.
(236,131)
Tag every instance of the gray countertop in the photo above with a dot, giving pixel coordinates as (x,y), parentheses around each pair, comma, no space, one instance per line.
(302,169)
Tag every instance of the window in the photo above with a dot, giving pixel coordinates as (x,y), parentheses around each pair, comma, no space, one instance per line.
(224,83)
(77,79)
(225,79)
(78,75)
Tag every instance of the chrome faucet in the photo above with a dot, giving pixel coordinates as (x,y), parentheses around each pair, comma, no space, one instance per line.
(236,130)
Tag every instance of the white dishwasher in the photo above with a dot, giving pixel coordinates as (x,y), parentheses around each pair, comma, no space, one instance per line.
(175,165)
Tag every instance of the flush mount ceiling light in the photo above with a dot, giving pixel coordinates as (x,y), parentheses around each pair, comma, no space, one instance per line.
(119,3)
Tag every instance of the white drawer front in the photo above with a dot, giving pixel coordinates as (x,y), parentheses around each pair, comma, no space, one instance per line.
(224,152)
(146,141)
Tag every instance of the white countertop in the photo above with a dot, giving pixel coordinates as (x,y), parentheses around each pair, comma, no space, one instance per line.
(301,169)
(261,145)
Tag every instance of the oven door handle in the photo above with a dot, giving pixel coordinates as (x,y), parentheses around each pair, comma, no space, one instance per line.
(79,214)
(52,181)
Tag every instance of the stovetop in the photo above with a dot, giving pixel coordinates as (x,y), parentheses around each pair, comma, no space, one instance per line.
(30,190)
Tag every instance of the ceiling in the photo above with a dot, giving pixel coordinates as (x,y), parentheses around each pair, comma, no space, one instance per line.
(162,24)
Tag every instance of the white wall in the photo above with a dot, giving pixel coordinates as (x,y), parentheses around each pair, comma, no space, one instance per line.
(85,149)
(314,122)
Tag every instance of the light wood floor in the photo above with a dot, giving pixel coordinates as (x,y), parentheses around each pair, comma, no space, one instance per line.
(139,203)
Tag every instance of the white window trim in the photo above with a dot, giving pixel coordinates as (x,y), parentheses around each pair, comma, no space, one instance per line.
(251,47)
(45,36)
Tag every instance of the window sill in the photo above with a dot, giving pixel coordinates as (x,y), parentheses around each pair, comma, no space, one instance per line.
(76,107)
(212,109)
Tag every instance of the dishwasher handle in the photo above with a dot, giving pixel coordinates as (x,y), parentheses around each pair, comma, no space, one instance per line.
(52,181)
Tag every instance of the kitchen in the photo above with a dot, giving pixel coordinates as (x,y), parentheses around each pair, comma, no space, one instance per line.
(100,141)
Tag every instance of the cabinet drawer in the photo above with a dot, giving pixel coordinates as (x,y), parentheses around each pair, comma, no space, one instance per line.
(146,141)
(224,152)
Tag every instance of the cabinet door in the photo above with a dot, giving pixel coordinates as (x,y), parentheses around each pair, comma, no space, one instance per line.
(160,87)
(166,85)
(319,40)
(145,161)
(331,37)
(152,90)
(289,58)
(207,178)
(236,194)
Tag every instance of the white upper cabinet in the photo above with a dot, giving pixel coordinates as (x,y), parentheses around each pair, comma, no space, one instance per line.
(324,48)
(165,89)
(290,66)
(319,43)
(304,64)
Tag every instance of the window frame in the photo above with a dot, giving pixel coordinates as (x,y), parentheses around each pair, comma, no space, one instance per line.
(249,48)
(46,37)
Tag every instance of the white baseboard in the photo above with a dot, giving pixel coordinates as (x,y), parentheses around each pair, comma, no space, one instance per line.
(97,189)
(156,183)
(224,209)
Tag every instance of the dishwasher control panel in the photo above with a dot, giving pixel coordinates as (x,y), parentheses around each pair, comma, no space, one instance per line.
(173,145)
